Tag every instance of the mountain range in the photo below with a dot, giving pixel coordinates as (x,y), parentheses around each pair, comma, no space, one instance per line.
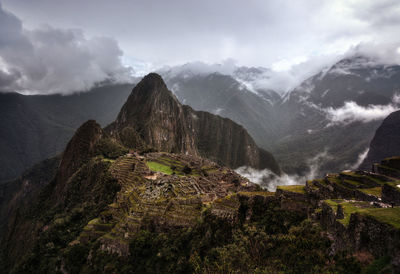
(141,195)
(324,118)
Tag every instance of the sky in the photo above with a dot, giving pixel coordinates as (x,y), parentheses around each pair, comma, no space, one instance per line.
(54,46)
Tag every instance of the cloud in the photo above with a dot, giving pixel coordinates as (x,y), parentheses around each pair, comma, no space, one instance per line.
(278,33)
(52,60)
(260,78)
(267,179)
(295,39)
(226,67)
(352,112)
(361,157)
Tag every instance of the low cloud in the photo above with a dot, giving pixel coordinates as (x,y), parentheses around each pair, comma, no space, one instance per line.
(50,60)
(269,180)
(361,157)
(352,112)
(254,78)
(227,67)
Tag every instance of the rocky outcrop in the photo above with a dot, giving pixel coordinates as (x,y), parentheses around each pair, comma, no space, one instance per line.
(386,142)
(166,125)
(391,194)
(80,148)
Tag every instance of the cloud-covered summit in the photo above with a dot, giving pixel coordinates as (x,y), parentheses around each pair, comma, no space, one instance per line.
(54,60)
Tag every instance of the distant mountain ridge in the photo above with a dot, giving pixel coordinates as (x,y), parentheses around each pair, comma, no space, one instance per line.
(33,128)
(307,129)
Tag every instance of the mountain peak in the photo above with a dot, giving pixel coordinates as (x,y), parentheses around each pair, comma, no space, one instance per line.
(154,79)
(154,113)
(80,147)
(151,83)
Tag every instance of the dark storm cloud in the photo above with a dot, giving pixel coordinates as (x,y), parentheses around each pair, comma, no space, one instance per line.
(54,60)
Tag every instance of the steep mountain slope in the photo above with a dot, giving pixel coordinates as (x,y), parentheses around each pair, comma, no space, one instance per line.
(386,142)
(163,123)
(127,192)
(33,128)
(109,210)
(314,117)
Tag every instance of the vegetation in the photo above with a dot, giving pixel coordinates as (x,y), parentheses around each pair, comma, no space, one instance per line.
(109,148)
(376,191)
(293,188)
(157,167)
(87,194)
(215,245)
(386,215)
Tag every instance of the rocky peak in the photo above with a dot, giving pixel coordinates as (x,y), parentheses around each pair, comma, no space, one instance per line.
(79,148)
(166,125)
(154,112)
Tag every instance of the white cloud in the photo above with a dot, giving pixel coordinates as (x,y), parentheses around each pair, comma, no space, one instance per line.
(52,60)
(352,112)
(267,179)
(280,33)
(361,157)
(296,42)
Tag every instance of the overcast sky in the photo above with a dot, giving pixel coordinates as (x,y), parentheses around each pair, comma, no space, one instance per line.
(278,34)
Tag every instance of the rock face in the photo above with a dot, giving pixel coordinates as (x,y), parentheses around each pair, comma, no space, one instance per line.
(80,148)
(166,125)
(386,142)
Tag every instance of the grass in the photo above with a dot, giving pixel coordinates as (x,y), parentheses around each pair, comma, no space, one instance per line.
(394,185)
(257,193)
(389,168)
(293,188)
(352,183)
(348,208)
(389,216)
(385,215)
(376,191)
(157,167)
(352,174)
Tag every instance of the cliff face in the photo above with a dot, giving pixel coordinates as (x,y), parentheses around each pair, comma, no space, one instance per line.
(157,116)
(166,125)
(386,142)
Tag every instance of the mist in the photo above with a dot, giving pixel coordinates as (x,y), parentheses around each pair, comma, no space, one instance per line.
(269,180)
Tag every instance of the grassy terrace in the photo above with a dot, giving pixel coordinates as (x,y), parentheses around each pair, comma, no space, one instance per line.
(166,167)
(356,176)
(395,185)
(157,167)
(376,191)
(385,215)
(293,188)
(257,193)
